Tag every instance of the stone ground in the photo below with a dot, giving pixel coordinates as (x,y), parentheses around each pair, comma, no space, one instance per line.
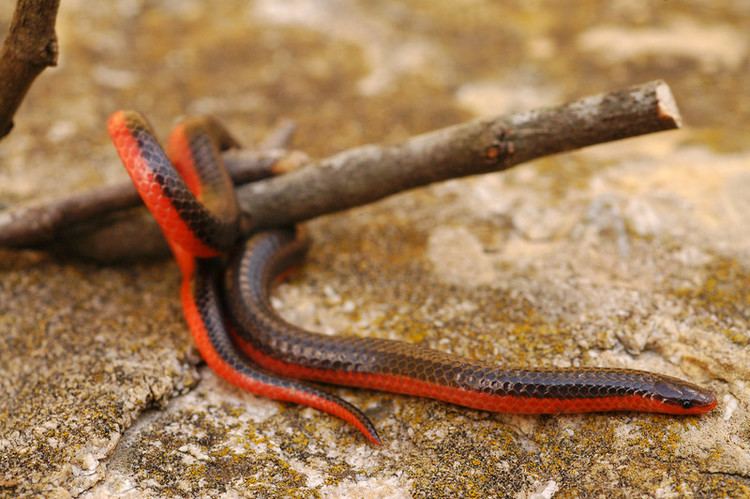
(633,254)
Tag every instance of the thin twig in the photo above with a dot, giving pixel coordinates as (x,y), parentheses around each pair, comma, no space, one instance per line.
(281,136)
(31,46)
(366,174)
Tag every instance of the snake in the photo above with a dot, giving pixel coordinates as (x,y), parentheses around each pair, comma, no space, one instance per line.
(227,281)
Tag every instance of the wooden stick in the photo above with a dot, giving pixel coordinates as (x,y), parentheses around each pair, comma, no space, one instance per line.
(366,174)
(31,46)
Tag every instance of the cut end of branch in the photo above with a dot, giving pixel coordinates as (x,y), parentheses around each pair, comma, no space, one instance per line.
(666,106)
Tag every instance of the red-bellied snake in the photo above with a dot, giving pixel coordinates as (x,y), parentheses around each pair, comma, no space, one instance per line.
(247,343)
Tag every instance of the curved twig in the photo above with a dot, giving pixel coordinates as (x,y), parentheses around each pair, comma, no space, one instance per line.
(31,46)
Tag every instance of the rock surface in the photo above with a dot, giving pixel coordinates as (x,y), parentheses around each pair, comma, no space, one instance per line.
(633,254)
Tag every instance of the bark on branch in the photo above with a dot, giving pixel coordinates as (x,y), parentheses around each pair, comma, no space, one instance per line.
(366,174)
(31,46)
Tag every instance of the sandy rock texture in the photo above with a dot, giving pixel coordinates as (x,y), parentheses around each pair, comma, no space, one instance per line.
(631,254)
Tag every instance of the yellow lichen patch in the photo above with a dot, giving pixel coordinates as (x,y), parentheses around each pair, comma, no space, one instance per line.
(722,302)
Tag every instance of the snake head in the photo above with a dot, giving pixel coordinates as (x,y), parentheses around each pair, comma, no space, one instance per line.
(684,398)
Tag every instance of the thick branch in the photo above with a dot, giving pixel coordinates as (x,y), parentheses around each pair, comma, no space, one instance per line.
(31,46)
(365,174)
(369,173)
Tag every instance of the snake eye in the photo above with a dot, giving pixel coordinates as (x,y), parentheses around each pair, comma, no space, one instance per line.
(687,404)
